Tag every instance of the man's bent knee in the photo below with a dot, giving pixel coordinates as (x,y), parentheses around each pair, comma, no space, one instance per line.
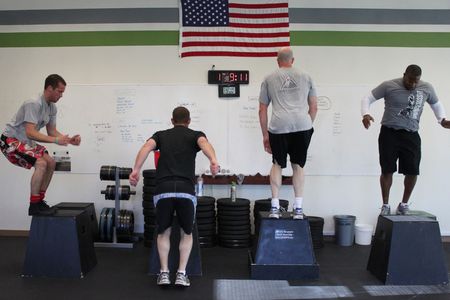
(51,163)
(40,164)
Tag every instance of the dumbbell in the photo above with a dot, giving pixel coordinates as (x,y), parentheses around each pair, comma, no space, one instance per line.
(109,173)
(124,192)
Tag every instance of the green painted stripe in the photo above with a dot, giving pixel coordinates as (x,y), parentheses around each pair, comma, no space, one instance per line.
(370,39)
(170,38)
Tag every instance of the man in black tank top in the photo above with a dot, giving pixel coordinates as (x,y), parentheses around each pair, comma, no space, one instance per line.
(175,186)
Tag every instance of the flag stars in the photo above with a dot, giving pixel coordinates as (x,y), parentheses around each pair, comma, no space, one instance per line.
(205,12)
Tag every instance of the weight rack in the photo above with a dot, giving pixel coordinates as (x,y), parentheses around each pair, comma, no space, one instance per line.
(115,173)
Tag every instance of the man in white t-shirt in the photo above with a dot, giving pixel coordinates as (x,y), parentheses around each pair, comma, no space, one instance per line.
(399,139)
(294,108)
(18,141)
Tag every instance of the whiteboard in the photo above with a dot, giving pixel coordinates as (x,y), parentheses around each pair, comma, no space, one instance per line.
(114,121)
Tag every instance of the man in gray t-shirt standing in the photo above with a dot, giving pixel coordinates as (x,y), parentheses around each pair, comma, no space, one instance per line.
(18,141)
(294,107)
(399,138)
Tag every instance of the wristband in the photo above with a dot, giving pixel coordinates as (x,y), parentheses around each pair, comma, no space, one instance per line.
(56,140)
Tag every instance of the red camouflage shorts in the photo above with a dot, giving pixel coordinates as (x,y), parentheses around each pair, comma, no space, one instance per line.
(21,154)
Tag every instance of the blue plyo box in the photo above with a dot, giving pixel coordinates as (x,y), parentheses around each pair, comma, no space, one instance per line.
(284,250)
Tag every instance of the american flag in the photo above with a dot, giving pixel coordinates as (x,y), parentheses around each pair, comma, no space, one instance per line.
(256,28)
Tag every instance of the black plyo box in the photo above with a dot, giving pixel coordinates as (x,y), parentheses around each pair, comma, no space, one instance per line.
(89,208)
(407,250)
(60,246)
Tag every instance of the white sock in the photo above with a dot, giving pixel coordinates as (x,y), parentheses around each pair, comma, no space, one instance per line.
(298,202)
(163,271)
(182,272)
(275,202)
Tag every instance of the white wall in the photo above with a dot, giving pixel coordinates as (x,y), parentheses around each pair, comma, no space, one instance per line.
(24,69)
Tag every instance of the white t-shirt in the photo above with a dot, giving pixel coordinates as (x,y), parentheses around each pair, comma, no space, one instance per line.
(38,112)
(288,90)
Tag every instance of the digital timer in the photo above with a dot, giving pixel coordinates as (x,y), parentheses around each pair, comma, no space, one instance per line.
(229,90)
(228,77)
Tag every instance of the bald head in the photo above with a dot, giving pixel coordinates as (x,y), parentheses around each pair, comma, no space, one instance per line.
(285,57)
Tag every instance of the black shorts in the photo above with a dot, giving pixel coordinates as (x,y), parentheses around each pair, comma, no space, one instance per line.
(295,144)
(177,196)
(401,145)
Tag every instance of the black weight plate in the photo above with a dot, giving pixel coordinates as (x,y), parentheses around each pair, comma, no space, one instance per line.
(148,243)
(234,241)
(240,202)
(233,227)
(148,205)
(210,238)
(149,212)
(207,245)
(205,214)
(224,212)
(110,224)
(148,189)
(231,232)
(315,221)
(147,197)
(233,218)
(205,208)
(205,221)
(234,237)
(149,173)
(207,232)
(234,223)
(121,221)
(148,235)
(102,222)
(149,227)
(232,208)
(150,184)
(130,223)
(107,172)
(234,245)
(205,200)
(149,220)
(209,226)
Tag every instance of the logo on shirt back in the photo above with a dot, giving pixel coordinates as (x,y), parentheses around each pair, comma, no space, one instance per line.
(289,83)
(415,103)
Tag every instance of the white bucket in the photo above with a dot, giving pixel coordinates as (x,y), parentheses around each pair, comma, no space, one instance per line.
(363,234)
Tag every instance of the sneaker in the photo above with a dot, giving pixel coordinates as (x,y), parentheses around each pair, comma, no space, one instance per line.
(298,214)
(163,278)
(274,213)
(385,210)
(182,280)
(402,209)
(40,208)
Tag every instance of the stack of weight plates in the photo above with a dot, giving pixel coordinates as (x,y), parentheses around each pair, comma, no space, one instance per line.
(125,228)
(234,222)
(316,227)
(206,221)
(147,204)
(106,224)
(265,205)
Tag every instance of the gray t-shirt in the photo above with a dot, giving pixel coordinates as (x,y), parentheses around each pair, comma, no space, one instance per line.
(38,112)
(402,107)
(288,91)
